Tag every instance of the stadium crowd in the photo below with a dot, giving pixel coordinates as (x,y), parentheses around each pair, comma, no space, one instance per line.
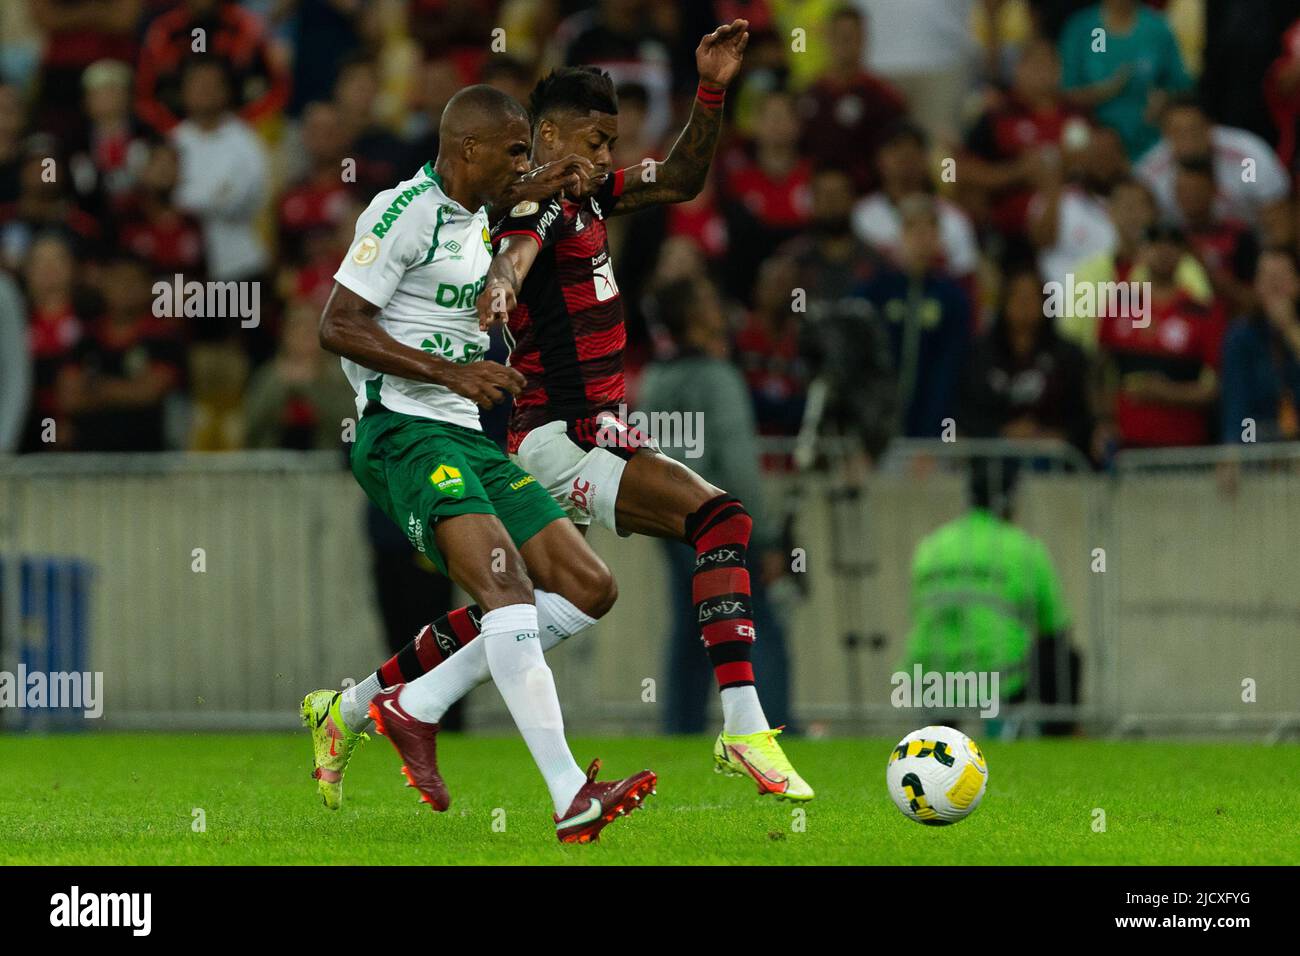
(916,188)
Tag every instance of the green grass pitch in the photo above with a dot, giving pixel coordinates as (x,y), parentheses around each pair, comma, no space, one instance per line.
(130,798)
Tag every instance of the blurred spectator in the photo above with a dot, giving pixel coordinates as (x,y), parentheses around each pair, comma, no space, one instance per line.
(701,221)
(300,398)
(44,204)
(927,315)
(514,77)
(312,279)
(77,33)
(766,192)
(223,173)
(1069,221)
(436,82)
(1225,246)
(1162,378)
(779,19)
(114,389)
(382,159)
(324,34)
(1127,82)
(986,597)
(1003,150)
(616,36)
(1023,380)
(845,111)
(1256,199)
(15,366)
(150,226)
(108,153)
(767,351)
(1242,38)
(54,330)
(1261,358)
(700,384)
(12,123)
(905,172)
(1131,208)
(924,48)
(312,207)
(1282,91)
(258,86)
(831,262)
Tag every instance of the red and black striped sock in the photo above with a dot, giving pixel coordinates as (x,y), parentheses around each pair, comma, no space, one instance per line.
(433,645)
(720,533)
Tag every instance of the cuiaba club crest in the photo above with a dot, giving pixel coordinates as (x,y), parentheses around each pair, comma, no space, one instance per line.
(448,480)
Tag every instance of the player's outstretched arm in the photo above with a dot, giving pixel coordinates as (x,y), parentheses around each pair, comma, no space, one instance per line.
(681,176)
(348,329)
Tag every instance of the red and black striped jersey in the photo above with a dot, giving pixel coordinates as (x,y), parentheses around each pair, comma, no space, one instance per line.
(566,334)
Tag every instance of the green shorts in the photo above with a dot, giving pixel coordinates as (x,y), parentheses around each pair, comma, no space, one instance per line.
(418,471)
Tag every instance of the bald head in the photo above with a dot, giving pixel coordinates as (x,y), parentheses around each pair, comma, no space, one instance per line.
(483,145)
(478,111)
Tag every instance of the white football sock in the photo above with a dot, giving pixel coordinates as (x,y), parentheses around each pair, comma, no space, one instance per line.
(428,696)
(741,711)
(355,705)
(518,666)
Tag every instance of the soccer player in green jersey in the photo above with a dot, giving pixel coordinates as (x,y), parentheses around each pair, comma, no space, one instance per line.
(402,317)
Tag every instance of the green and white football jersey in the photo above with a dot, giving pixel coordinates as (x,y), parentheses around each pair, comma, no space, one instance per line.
(423,259)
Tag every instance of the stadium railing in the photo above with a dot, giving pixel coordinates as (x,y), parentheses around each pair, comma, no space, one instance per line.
(225,585)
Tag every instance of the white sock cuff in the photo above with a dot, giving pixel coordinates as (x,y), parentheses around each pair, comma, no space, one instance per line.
(561,614)
(513,617)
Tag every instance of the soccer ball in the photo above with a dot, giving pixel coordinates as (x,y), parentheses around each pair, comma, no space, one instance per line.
(936,776)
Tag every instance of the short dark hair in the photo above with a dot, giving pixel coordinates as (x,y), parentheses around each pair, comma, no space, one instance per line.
(1129,181)
(1187,100)
(1198,165)
(673,302)
(992,484)
(904,129)
(847,11)
(576,89)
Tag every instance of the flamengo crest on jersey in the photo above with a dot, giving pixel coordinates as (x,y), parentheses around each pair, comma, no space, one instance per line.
(423,259)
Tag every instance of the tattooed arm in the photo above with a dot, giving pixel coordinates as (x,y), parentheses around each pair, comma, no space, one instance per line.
(681,176)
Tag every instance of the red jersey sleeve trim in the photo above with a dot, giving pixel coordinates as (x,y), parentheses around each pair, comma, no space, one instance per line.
(618,183)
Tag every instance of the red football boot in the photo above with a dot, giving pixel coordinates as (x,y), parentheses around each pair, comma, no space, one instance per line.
(598,804)
(417,745)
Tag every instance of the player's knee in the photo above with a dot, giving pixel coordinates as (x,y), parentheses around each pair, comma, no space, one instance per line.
(594,588)
(509,585)
(604,592)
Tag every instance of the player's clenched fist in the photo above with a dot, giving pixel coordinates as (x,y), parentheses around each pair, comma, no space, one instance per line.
(484,383)
(494,304)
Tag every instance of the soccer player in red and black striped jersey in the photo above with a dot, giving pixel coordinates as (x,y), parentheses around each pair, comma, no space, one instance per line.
(553,282)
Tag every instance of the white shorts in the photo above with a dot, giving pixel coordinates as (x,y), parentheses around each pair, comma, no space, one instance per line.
(583,477)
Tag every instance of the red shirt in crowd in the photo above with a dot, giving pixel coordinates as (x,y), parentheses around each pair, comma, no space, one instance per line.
(1183,338)
(843,123)
(1004,134)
